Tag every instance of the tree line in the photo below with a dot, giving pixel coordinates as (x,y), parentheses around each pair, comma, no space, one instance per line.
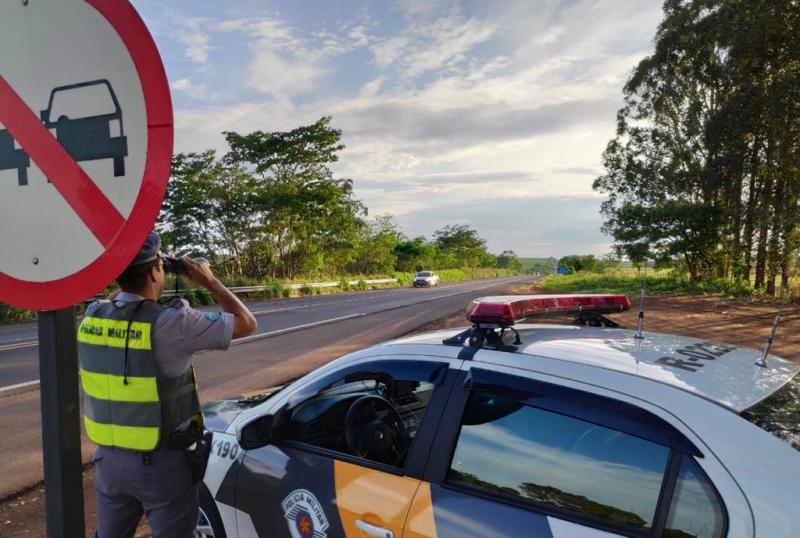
(271,208)
(705,164)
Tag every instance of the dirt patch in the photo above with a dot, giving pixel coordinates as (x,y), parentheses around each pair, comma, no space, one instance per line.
(707,317)
(23,514)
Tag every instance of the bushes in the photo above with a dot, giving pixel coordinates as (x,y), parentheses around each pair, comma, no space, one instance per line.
(629,283)
(403,278)
(203,296)
(305,289)
(9,314)
(190,296)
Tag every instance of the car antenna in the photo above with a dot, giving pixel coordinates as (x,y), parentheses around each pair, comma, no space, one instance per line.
(640,322)
(762,359)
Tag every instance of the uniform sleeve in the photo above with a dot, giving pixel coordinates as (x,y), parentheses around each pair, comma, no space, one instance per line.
(191,330)
(92,308)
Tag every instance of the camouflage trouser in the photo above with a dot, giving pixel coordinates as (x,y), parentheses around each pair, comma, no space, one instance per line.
(157,484)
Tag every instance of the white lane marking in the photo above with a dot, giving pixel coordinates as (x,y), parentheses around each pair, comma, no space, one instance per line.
(279,332)
(285,309)
(19,345)
(18,386)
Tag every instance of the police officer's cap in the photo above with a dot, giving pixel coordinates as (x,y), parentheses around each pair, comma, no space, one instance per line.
(149,252)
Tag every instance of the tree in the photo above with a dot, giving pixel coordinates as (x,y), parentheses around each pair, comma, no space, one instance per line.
(374,251)
(209,208)
(459,245)
(545,265)
(414,254)
(704,163)
(508,260)
(581,263)
(271,207)
(307,214)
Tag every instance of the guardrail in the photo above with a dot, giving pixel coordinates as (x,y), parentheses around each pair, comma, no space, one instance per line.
(252,289)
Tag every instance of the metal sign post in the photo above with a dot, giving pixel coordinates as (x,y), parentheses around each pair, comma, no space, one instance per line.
(61,433)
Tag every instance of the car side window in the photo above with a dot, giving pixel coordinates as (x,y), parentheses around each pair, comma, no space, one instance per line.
(545,459)
(695,509)
(372,413)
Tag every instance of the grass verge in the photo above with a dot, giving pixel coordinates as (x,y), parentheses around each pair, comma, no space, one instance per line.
(665,283)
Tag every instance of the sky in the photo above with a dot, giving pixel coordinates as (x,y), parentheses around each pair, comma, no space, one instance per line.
(492,114)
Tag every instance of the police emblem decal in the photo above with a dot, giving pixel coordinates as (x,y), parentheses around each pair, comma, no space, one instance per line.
(304,515)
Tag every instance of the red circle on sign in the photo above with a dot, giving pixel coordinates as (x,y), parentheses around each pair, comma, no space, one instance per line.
(129,238)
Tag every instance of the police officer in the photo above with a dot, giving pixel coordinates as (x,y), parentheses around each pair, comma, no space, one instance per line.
(140,397)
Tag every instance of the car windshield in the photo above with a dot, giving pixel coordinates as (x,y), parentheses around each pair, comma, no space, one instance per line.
(779,413)
(82,102)
(424,273)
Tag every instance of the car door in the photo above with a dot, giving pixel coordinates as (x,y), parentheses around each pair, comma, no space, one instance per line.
(336,466)
(520,457)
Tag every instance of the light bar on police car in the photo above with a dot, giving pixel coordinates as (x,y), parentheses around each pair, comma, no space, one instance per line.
(504,310)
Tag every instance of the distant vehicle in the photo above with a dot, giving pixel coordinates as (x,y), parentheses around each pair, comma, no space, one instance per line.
(509,430)
(425,278)
(88,122)
(11,157)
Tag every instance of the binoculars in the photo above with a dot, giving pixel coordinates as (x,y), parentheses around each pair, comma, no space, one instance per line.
(176,265)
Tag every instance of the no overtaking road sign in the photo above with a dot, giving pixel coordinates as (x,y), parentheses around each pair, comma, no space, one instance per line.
(86,135)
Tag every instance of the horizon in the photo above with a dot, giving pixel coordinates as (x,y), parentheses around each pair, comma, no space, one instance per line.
(493,115)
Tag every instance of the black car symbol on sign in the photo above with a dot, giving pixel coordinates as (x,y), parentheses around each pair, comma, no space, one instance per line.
(11,157)
(90,136)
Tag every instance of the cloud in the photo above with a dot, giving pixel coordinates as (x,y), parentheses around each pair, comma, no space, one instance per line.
(191,33)
(371,88)
(188,87)
(359,36)
(389,50)
(283,75)
(450,112)
(416,10)
(528,225)
(470,125)
(439,44)
(197,47)
(281,66)
(436,182)
(578,171)
(288,62)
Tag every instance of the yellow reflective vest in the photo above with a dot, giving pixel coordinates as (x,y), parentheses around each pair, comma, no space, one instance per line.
(126,403)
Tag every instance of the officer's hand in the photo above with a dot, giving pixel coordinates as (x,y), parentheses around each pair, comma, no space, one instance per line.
(198,272)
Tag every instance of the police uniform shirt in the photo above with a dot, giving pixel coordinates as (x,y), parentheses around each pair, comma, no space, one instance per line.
(181,330)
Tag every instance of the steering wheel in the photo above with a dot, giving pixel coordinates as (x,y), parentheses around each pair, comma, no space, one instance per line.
(374,430)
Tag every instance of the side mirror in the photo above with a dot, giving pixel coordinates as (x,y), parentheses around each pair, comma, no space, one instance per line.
(257,433)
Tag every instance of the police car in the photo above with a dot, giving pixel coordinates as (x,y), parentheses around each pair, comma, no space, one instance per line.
(506,429)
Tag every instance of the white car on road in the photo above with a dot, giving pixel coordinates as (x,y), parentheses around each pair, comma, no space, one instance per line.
(425,278)
(507,430)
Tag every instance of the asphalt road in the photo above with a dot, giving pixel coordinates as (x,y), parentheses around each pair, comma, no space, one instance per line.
(19,351)
(294,336)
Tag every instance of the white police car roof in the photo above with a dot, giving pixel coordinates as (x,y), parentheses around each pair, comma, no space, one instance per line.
(723,373)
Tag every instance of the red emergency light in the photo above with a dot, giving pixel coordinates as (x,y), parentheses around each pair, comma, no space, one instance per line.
(504,310)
